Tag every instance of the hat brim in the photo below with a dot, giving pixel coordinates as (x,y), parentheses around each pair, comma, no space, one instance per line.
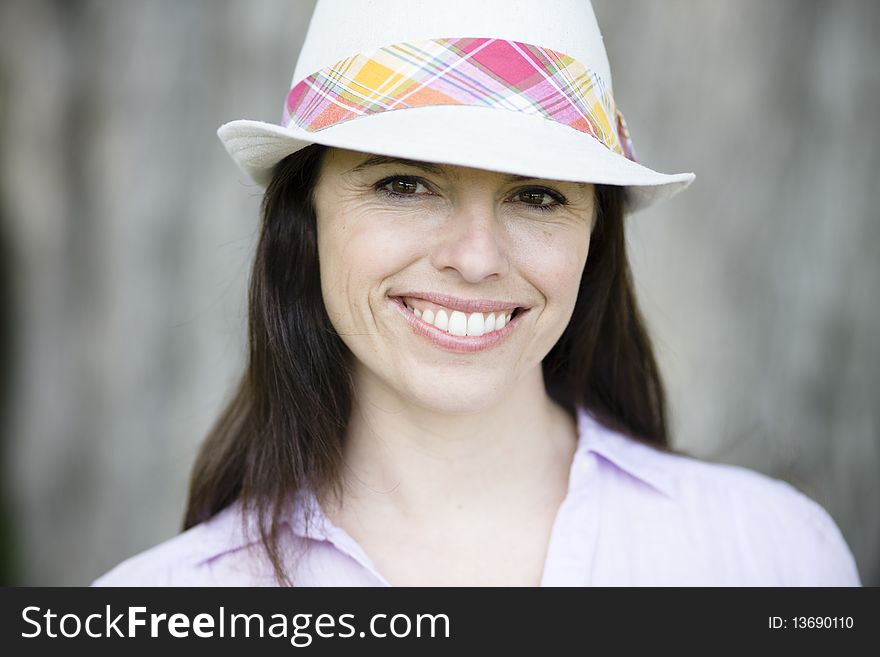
(478,137)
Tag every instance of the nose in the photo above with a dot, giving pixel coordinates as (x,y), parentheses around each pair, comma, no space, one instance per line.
(472,241)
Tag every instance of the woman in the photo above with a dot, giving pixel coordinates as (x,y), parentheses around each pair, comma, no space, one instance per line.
(449,382)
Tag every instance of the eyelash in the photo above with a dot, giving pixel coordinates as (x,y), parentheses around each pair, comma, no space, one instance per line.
(381,188)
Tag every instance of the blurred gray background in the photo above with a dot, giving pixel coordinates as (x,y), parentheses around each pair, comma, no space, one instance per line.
(126,235)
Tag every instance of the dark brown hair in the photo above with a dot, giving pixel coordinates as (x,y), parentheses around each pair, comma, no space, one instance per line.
(283,428)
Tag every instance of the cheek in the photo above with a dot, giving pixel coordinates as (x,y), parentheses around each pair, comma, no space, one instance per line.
(357,251)
(553,261)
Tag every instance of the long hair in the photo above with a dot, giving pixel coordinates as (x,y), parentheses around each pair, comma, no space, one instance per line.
(282,429)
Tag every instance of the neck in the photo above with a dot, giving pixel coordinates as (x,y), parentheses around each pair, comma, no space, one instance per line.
(418,463)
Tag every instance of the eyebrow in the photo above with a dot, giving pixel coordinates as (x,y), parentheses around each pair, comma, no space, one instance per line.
(378,160)
(430,167)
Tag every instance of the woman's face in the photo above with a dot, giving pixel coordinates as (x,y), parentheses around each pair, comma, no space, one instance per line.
(464,248)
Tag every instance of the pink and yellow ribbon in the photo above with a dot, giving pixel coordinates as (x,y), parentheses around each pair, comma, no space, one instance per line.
(479,72)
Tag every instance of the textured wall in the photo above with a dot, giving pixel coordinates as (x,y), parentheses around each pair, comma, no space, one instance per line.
(127,235)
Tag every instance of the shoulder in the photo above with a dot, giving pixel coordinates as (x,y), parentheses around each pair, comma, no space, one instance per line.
(782,534)
(187,559)
(799,541)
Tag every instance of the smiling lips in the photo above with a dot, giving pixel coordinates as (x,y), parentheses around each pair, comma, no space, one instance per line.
(459,324)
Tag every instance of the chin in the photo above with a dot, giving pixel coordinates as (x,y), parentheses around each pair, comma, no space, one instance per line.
(456,397)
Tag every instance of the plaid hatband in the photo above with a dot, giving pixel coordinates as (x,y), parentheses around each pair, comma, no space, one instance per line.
(481,72)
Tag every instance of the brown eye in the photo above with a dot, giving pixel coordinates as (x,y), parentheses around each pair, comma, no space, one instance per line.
(535,197)
(397,186)
(403,186)
(539,199)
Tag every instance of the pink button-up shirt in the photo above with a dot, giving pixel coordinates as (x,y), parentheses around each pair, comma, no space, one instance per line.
(632,516)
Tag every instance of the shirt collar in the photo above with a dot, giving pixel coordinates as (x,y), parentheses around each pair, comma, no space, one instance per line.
(638,459)
(234,528)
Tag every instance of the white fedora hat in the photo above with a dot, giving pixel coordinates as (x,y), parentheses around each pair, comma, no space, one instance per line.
(516,86)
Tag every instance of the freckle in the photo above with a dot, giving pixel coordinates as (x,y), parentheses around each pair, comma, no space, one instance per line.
(546,234)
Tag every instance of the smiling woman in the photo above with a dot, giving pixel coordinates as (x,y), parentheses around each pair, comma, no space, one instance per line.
(463,247)
(449,381)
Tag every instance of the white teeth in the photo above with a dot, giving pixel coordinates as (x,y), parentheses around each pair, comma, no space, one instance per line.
(475,324)
(457,323)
